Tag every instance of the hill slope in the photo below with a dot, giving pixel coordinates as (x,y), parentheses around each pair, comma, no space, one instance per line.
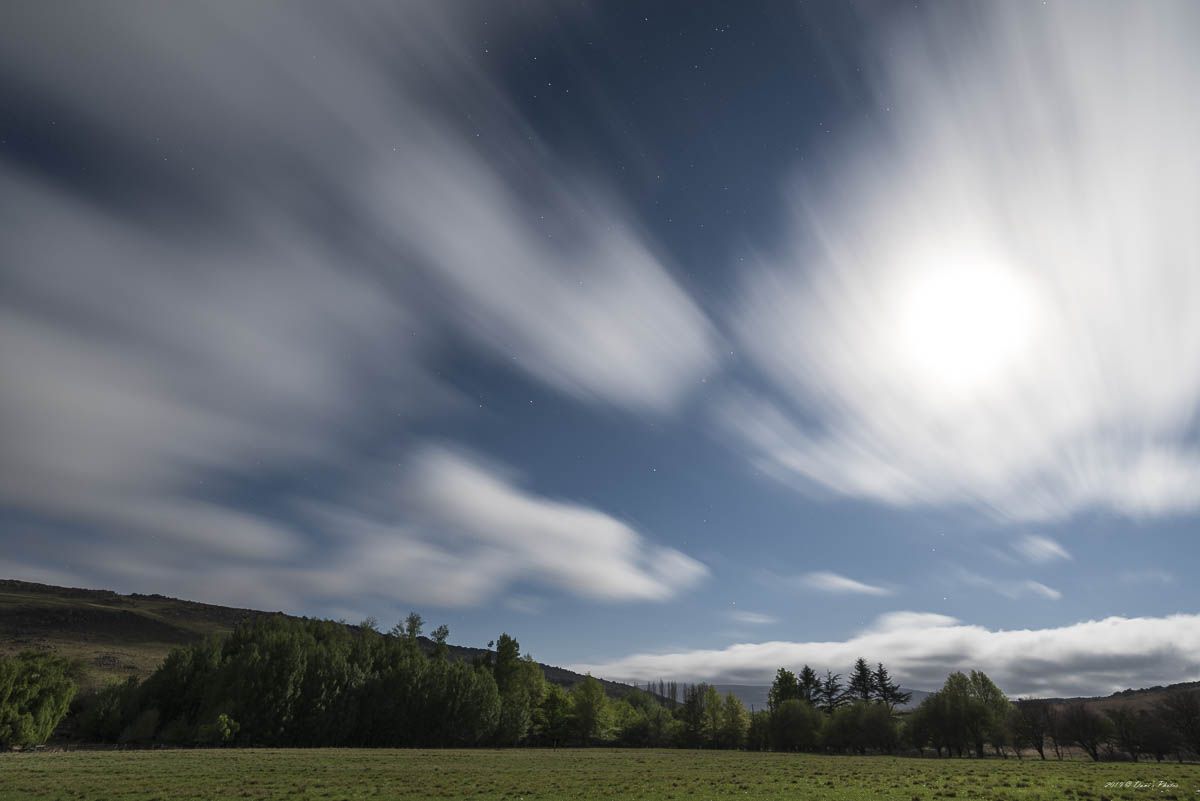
(115,636)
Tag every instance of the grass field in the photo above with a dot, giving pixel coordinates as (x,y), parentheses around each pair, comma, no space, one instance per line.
(566,774)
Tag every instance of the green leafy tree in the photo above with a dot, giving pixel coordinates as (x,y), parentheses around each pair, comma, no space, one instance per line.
(711,734)
(735,723)
(794,726)
(589,710)
(35,693)
(552,724)
(695,716)
(409,628)
(844,730)
(758,736)
(996,710)
(521,687)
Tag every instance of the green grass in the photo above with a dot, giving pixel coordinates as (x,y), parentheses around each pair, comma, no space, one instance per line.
(566,774)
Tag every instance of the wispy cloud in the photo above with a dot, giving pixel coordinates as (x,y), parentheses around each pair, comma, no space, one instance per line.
(1039,550)
(751,618)
(452,530)
(270,276)
(1095,656)
(576,548)
(1009,588)
(825,581)
(987,303)
(1148,575)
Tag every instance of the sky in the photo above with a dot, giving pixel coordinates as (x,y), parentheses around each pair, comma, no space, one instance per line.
(679,340)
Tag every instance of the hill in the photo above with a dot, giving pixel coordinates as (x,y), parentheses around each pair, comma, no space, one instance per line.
(113,636)
(1144,698)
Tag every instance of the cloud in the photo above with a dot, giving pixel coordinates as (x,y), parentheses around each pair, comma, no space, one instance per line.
(1149,575)
(448,530)
(825,581)
(751,618)
(1009,588)
(576,548)
(920,649)
(1039,550)
(988,300)
(274,268)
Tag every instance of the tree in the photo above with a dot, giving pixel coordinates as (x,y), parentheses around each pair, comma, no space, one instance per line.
(995,708)
(861,684)
(409,628)
(712,716)
(35,693)
(1181,712)
(794,726)
(878,728)
(552,720)
(697,716)
(918,732)
(1158,738)
(1086,728)
(957,718)
(809,685)
(589,710)
(887,691)
(1054,729)
(831,692)
(1028,724)
(369,623)
(643,722)
(735,723)
(1126,730)
(783,688)
(507,661)
(844,731)
(520,685)
(439,636)
(758,737)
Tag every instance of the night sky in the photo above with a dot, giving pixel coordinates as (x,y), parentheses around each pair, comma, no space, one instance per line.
(679,340)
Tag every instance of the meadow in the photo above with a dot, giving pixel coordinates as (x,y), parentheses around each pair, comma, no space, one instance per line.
(529,774)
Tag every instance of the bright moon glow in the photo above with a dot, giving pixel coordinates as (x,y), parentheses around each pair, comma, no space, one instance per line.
(964,325)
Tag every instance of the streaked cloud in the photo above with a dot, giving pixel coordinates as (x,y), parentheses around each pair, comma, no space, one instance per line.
(920,649)
(1009,588)
(835,583)
(989,299)
(576,548)
(306,227)
(1148,575)
(1039,550)
(751,618)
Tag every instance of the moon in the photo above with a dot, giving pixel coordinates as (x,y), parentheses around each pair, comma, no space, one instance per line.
(965,324)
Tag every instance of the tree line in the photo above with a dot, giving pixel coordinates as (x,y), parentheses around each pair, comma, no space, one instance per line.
(281,681)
